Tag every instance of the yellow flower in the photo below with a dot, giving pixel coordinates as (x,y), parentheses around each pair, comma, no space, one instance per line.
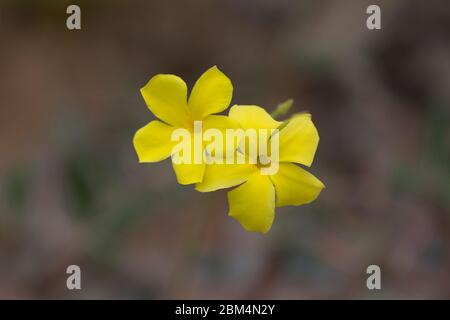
(166,97)
(253,202)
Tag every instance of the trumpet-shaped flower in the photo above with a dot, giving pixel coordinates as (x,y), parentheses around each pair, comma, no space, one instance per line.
(166,97)
(253,202)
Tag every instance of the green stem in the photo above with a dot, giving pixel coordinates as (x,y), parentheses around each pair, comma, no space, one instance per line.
(282,109)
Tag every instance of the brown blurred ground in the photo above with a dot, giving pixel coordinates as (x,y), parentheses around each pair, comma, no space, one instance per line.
(72,191)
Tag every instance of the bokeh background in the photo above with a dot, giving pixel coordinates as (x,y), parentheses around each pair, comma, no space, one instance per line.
(72,191)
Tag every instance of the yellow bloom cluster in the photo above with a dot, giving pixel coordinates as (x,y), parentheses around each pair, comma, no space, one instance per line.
(254,199)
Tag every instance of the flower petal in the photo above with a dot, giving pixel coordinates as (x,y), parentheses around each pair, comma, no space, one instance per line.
(221,176)
(153,142)
(211,93)
(220,124)
(295,186)
(253,203)
(189,173)
(252,117)
(298,140)
(166,96)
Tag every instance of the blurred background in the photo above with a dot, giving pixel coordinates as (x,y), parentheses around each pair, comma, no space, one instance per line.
(72,191)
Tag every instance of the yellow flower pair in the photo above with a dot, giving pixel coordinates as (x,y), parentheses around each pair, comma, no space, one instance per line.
(253,202)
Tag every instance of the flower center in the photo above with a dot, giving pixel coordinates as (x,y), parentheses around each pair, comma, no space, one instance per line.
(263,161)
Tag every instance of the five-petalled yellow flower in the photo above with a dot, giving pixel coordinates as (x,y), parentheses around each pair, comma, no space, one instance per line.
(166,97)
(253,202)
